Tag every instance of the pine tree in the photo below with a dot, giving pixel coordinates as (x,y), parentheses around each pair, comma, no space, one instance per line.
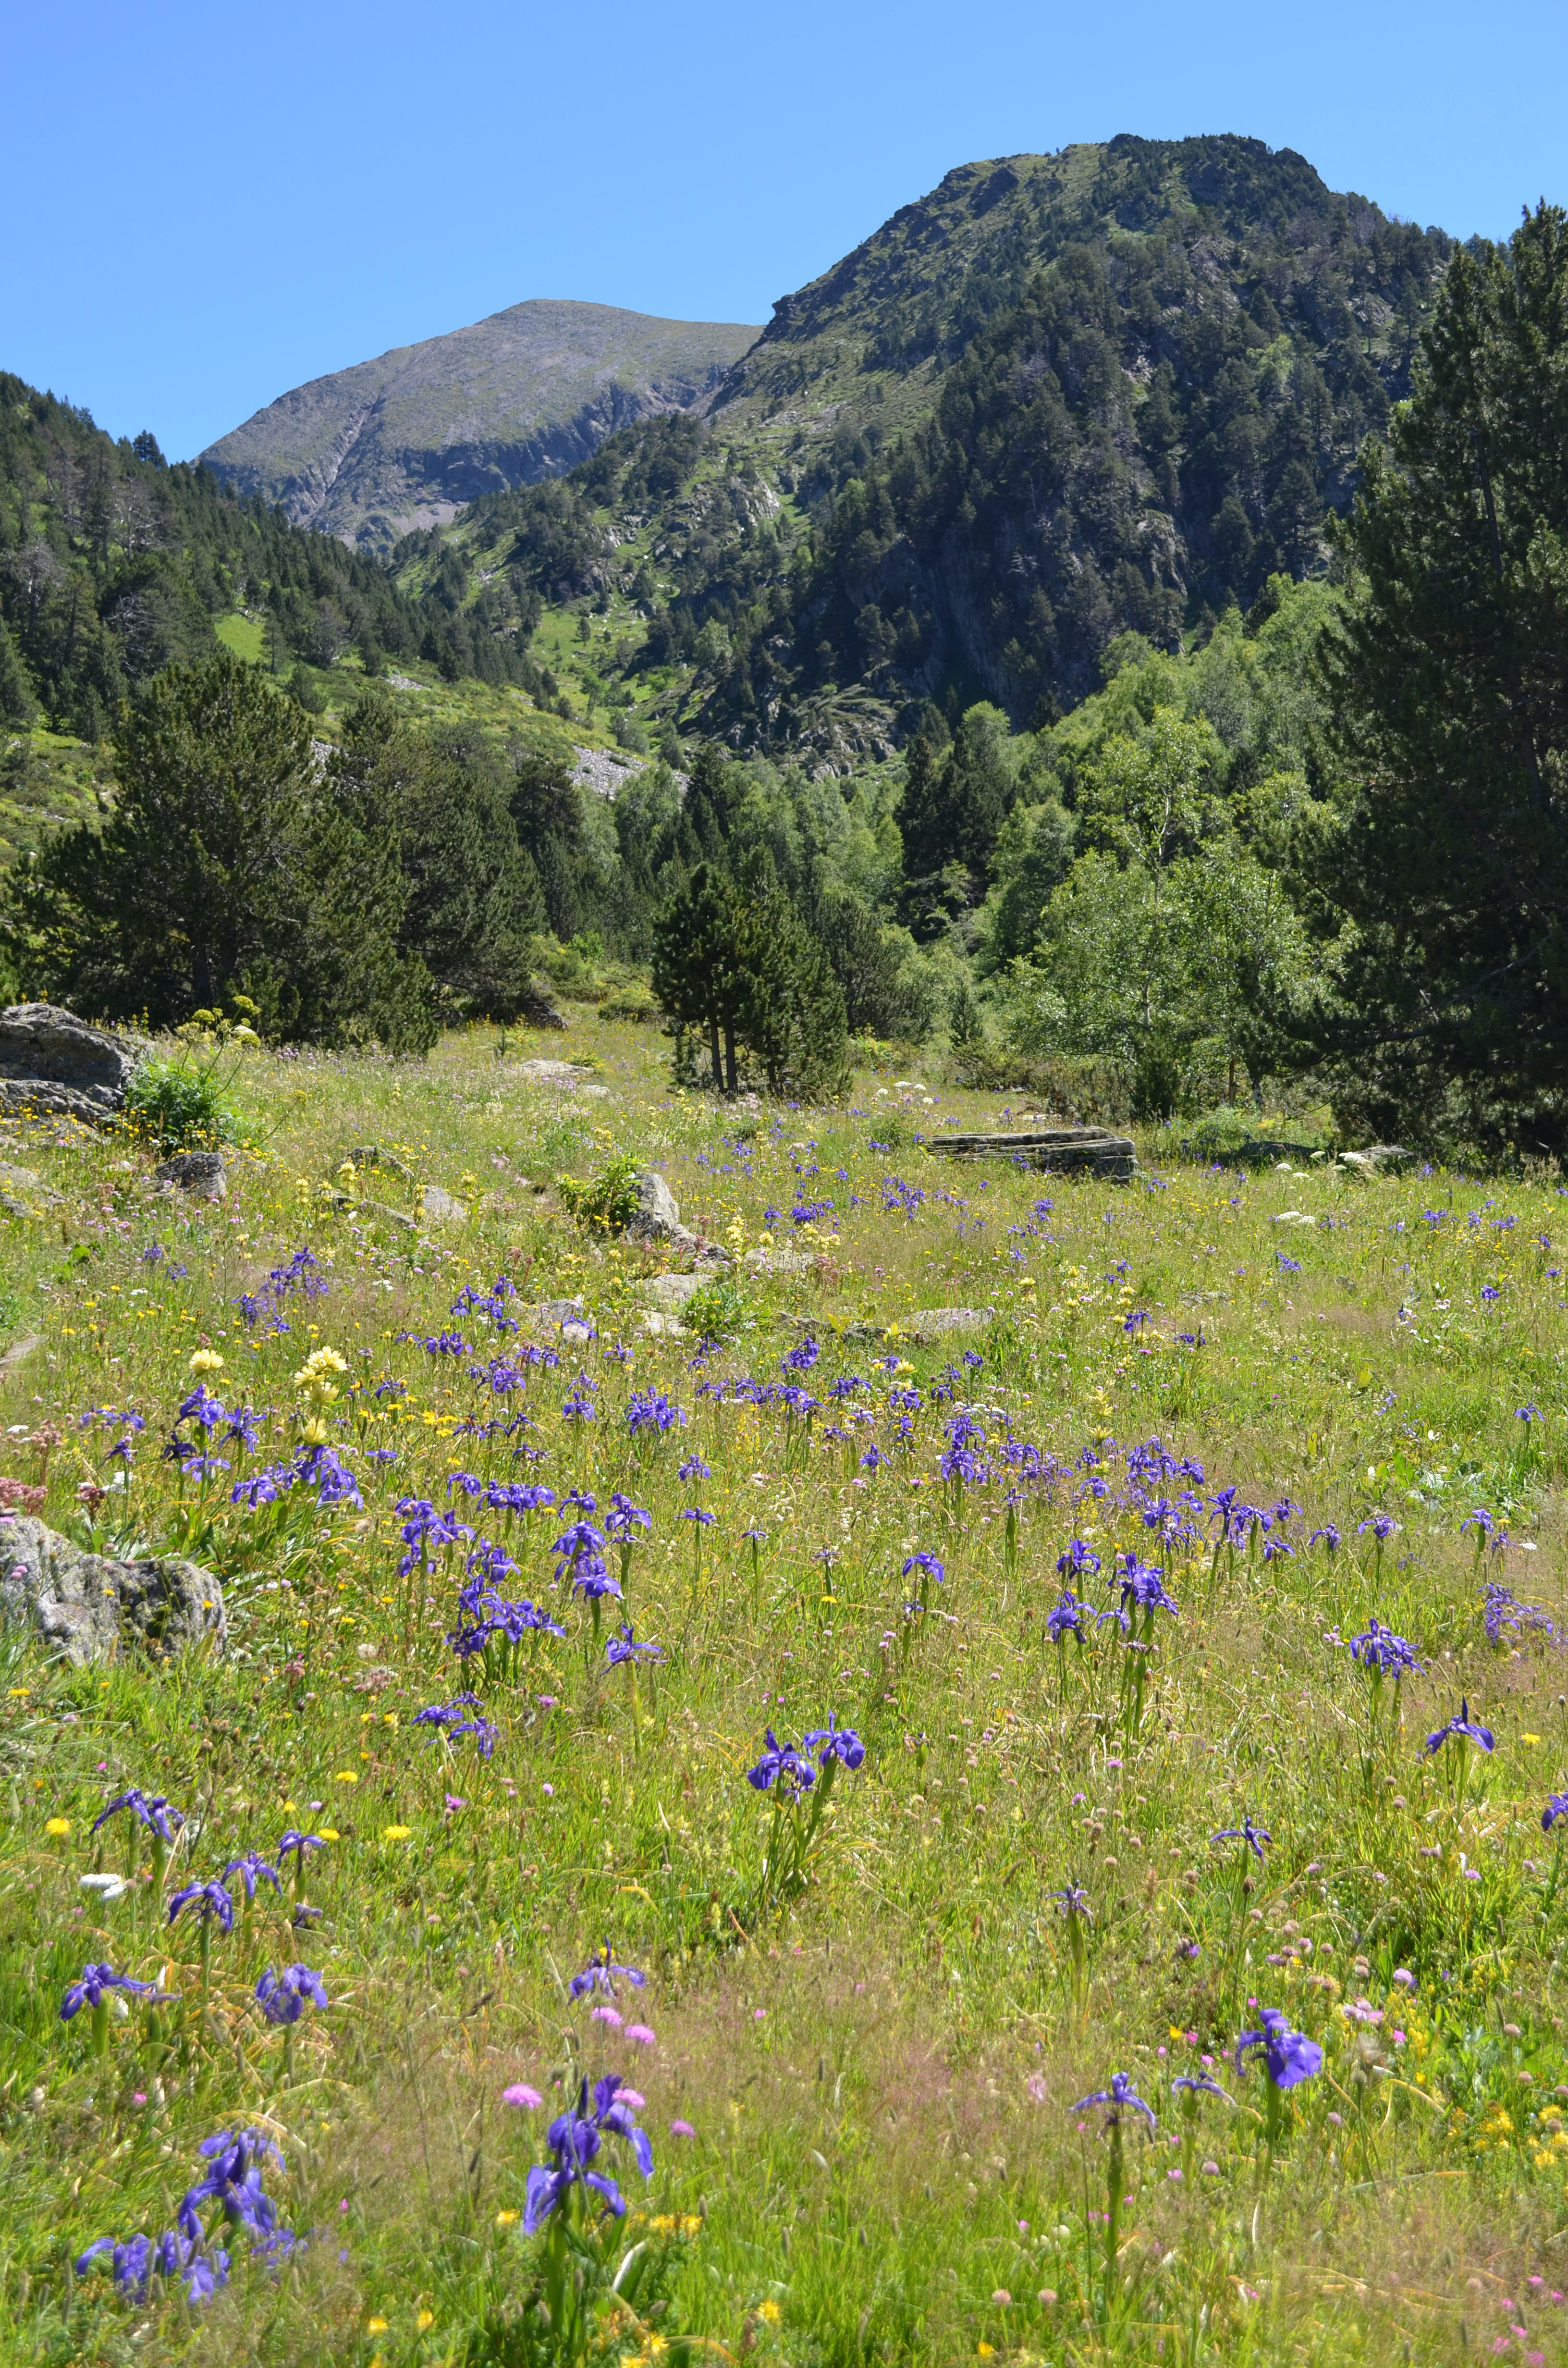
(225,867)
(17,704)
(1450,673)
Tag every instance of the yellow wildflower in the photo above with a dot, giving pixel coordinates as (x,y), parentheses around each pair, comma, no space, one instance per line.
(425,2318)
(59,1827)
(206,1361)
(347,1776)
(770,2311)
(375,2326)
(396,1833)
(504,2219)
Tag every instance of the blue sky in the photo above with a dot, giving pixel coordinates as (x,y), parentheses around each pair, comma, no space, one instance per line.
(208,207)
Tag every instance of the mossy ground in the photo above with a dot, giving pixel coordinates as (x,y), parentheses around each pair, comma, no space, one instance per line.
(880,2069)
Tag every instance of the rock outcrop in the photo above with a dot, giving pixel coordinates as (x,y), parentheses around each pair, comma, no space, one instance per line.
(90,1609)
(53,1064)
(202,1174)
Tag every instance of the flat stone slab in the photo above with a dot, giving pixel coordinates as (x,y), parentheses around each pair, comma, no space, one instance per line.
(1054,1150)
(92,1610)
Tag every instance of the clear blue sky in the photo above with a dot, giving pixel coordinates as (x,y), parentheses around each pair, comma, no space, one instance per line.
(209,205)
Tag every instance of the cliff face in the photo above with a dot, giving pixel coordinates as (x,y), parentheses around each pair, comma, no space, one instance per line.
(366,453)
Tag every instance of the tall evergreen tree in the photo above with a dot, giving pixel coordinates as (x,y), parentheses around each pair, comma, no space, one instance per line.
(1450,675)
(227,866)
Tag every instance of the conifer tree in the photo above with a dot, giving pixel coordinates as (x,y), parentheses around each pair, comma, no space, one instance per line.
(1450,675)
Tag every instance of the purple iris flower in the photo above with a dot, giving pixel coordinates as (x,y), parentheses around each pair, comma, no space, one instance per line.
(1556,1806)
(233,2182)
(782,1763)
(694,1468)
(1074,1900)
(928,1563)
(1254,1835)
(602,1974)
(838,1743)
(138,2259)
(1328,1535)
(1461,1724)
(1142,1586)
(1079,1561)
(650,1411)
(574,2139)
(156,1813)
(624,1647)
(282,1996)
(1504,1614)
(97,1980)
(1117,2099)
(206,1900)
(1068,1618)
(1378,1649)
(624,1519)
(298,1843)
(252,1869)
(1198,2084)
(1382,1526)
(1288,2056)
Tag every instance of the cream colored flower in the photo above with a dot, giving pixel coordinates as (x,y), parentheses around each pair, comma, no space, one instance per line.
(207,1361)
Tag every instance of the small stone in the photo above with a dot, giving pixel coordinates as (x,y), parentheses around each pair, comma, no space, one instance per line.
(937,1323)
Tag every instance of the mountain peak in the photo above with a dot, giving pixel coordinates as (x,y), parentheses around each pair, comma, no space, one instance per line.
(410,438)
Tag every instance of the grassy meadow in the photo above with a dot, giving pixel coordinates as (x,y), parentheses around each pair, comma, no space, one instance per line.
(871,2004)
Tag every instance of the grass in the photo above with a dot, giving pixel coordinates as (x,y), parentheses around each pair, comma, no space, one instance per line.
(877,2029)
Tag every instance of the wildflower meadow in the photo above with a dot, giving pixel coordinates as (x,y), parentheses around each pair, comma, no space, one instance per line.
(989,1786)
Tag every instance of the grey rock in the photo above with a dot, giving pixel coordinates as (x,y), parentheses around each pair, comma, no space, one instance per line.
(1056,1150)
(539,1007)
(439,1207)
(54,1064)
(671,1291)
(91,1609)
(658,1211)
(937,1323)
(20,1350)
(779,1261)
(201,1173)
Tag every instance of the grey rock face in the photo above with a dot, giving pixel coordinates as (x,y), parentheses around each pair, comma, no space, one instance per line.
(52,1062)
(91,1609)
(200,1173)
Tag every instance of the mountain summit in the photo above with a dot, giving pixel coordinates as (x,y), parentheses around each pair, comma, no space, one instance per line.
(407,440)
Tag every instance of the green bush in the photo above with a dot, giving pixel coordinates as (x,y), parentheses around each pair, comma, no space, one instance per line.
(606,1202)
(719,1311)
(180,1108)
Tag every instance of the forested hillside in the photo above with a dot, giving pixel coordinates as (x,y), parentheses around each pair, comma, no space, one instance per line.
(1061,398)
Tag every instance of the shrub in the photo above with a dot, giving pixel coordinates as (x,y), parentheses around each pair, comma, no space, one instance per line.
(606,1202)
(180,1106)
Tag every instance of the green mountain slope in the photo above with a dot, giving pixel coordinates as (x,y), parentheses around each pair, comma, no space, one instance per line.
(1061,398)
(112,563)
(404,441)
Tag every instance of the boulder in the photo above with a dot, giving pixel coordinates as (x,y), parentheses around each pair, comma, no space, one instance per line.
(658,1211)
(538,1007)
(439,1207)
(91,1609)
(53,1064)
(201,1173)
